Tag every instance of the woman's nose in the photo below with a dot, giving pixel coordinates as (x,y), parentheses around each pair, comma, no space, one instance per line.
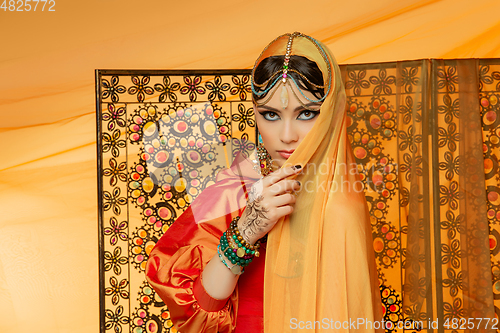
(288,134)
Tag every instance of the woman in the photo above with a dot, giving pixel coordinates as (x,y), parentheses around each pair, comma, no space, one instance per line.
(317,270)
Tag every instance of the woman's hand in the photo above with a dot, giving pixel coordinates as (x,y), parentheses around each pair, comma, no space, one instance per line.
(269,200)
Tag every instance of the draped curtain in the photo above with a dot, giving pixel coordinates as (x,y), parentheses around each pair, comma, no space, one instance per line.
(426,138)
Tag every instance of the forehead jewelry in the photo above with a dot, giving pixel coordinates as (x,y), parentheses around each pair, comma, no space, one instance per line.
(284,92)
(283,76)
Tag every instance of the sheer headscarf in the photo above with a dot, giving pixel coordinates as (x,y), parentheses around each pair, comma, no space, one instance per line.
(320,268)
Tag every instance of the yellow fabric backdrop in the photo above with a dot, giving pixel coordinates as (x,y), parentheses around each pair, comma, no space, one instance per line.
(48,177)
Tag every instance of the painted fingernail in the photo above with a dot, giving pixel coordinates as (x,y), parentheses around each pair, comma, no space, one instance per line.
(298,166)
(300,184)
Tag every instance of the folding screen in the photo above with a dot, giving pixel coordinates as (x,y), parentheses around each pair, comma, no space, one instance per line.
(426,138)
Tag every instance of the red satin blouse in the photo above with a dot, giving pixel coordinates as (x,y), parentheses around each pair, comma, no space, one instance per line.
(176,262)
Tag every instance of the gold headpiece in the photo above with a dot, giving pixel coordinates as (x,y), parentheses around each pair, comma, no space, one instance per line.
(283,74)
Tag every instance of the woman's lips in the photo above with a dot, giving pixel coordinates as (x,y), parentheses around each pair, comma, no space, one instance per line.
(286,153)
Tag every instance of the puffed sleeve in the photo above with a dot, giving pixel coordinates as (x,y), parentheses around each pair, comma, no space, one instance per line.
(175,264)
(177,280)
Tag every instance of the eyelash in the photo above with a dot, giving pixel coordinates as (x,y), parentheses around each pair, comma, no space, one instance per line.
(266,114)
(313,114)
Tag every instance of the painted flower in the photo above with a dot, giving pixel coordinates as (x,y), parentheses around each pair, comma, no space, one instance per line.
(192,87)
(409,139)
(111,143)
(450,108)
(408,111)
(452,253)
(116,290)
(483,77)
(115,320)
(454,281)
(404,197)
(450,165)
(356,81)
(450,137)
(113,116)
(115,171)
(114,261)
(413,258)
(450,195)
(241,87)
(416,196)
(414,229)
(140,87)
(447,78)
(245,117)
(382,83)
(167,90)
(409,78)
(116,230)
(113,201)
(112,89)
(415,287)
(453,224)
(217,89)
(414,313)
(411,167)
(454,310)
(244,145)
(496,76)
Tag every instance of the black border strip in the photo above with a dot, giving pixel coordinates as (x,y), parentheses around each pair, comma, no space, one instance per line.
(435,223)
(100,226)
(151,72)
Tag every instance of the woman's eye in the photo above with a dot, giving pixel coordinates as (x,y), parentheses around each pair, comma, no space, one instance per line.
(307,115)
(270,116)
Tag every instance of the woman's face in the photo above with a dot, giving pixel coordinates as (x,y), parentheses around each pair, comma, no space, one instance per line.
(283,129)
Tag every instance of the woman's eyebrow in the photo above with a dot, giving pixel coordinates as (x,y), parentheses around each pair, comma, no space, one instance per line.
(302,107)
(268,108)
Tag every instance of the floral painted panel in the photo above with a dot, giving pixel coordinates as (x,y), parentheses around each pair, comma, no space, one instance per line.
(426,138)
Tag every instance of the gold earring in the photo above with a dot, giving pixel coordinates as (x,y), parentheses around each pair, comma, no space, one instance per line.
(265,160)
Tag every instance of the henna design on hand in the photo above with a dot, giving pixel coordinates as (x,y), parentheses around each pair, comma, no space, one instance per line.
(255,191)
(256,220)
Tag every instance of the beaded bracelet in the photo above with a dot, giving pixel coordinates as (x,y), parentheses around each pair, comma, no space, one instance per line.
(236,244)
(236,249)
(235,269)
(240,240)
(242,246)
(235,254)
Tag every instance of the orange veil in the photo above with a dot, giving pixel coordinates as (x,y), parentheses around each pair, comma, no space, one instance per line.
(320,272)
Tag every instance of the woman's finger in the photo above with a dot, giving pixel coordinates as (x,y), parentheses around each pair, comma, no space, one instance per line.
(284,211)
(282,200)
(280,174)
(284,185)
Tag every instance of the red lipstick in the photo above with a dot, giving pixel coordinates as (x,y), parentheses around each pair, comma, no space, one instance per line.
(286,153)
